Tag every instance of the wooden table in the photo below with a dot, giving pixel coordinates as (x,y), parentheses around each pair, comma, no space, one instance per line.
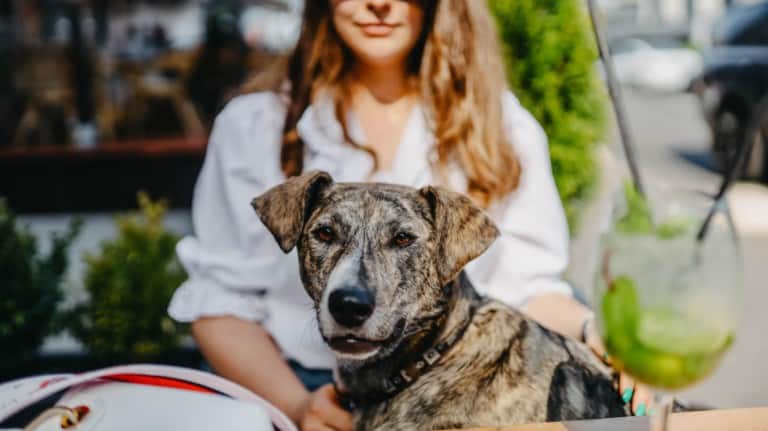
(754,419)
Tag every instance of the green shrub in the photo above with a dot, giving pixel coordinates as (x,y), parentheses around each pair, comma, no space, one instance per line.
(130,282)
(550,54)
(30,285)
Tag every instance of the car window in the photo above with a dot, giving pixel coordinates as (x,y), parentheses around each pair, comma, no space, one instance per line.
(743,26)
(754,34)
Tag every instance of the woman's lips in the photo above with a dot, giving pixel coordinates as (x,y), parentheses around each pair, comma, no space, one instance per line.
(377,29)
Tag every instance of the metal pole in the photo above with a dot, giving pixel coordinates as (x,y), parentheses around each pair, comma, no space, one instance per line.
(616,97)
(690,7)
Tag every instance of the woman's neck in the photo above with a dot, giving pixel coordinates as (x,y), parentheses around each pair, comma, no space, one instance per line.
(386,84)
(382,100)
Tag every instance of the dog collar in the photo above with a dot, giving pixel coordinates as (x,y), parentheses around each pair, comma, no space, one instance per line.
(408,374)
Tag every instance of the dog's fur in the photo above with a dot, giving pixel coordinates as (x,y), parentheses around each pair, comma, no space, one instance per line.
(505,369)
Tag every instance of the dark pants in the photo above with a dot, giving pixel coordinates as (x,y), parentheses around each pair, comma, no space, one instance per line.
(312,378)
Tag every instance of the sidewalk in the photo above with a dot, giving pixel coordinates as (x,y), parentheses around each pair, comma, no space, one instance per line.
(749,206)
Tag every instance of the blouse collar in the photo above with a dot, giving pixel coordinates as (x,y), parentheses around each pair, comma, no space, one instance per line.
(326,150)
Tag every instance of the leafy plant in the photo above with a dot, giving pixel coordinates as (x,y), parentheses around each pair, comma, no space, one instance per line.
(130,282)
(30,284)
(550,55)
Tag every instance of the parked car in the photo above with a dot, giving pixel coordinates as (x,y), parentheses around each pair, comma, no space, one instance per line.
(733,88)
(743,26)
(655,64)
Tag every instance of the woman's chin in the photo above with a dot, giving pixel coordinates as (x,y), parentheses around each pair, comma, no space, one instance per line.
(381,54)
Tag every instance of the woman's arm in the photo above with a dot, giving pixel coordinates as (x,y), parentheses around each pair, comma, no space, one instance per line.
(560,313)
(243,352)
(233,264)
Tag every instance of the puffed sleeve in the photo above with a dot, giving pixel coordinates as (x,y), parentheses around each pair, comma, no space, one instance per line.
(231,259)
(531,254)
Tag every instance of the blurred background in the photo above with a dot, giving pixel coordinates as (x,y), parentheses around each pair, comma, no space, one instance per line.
(105,107)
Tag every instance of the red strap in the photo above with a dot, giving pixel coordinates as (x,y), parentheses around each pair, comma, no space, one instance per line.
(165,382)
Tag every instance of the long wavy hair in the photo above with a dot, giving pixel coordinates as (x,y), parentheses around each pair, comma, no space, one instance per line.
(457,64)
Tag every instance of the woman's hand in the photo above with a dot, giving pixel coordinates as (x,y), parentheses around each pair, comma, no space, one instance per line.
(640,396)
(322,412)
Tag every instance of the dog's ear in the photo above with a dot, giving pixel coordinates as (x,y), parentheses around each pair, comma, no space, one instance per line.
(463,230)
(285,208)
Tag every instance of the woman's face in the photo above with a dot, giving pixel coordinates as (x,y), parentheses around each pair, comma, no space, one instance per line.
(378,32)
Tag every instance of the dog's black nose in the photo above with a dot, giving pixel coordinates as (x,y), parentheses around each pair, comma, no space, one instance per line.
(351,306)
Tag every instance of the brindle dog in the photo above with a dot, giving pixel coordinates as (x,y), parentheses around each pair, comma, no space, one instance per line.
(417,347)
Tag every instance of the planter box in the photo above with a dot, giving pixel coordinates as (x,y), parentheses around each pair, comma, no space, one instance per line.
(67,179)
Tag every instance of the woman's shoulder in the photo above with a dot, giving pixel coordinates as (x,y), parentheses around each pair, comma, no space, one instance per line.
(518,117)
(522,128)
(247,119)
(247,109)
(247,134)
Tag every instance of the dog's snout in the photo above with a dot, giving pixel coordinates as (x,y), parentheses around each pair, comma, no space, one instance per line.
(351,306)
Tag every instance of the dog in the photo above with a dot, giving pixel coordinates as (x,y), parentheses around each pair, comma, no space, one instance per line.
(417,347)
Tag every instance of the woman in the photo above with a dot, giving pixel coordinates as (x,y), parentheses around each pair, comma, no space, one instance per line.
(400,91)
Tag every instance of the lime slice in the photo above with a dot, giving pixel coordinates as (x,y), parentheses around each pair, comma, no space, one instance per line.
(673,228)
(620,307)
(670,332)
(699,366)
(655,368)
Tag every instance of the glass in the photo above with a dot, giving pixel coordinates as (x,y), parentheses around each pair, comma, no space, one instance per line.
(667,304)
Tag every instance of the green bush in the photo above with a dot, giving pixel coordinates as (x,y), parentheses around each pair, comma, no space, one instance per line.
(550,54)
(130,282)
(30,285)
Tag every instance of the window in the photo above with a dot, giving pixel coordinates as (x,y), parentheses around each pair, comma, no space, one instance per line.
(103,98)
(755,34)
(744,26)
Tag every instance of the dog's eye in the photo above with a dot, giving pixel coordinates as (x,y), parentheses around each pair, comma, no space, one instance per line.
(403,239)
(325,234)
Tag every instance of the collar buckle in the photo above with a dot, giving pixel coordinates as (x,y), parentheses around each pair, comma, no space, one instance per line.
(431,356)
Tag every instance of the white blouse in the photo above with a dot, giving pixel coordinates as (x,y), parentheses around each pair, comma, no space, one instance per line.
(236,268)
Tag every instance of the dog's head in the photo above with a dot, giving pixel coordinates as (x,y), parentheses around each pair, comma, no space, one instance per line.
(374,257)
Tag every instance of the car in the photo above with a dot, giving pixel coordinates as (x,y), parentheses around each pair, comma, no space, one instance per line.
(655,64)
(743,26)
(733,89)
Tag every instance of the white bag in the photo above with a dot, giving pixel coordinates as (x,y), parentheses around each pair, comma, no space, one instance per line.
(136,398)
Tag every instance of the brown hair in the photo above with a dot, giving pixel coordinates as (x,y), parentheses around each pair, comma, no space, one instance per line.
(461,81)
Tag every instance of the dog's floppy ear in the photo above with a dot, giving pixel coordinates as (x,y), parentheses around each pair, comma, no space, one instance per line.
(284,208)
(463,230)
